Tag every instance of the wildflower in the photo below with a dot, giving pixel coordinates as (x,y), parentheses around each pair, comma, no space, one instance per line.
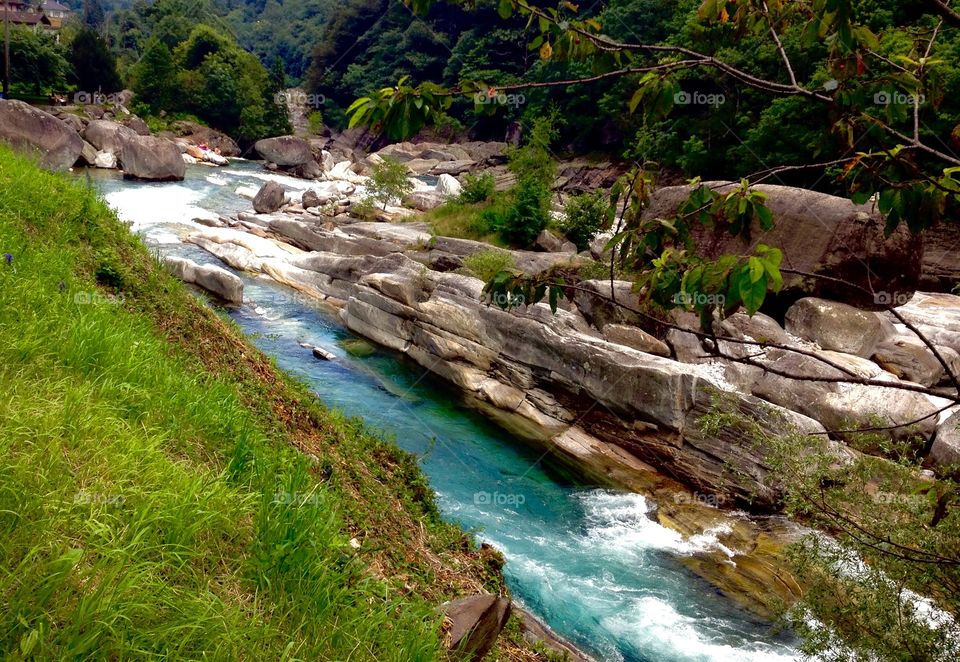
(9,258)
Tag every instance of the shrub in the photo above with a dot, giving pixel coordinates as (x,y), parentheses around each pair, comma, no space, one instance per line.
(316,122)
(477,189)
(365,209)
(487,264)
(389,181)
(527,215)
(584,216)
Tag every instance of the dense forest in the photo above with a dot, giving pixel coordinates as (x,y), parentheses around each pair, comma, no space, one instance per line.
(346,50)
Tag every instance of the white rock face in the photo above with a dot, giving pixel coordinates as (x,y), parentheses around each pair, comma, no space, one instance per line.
(214,279)
(105,160)
(448,186)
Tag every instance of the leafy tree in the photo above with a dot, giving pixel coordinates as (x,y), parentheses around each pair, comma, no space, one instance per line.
(93,15)
(477,188)
(584,217)
(37,62)
(389,182)
(94,66)
(155,77)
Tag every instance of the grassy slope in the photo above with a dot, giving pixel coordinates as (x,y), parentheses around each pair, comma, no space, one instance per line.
(143,444)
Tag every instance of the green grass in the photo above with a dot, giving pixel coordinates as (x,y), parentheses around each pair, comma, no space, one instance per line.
(466,221)
(165,492)
(487,264)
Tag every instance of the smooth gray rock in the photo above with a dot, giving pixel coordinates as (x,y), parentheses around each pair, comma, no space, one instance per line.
(818,234)
(214,279)
(88,154)
(835,326)
(285,151)
(151,158)
(945,451)
(108,136)
(34,132)
(843,406)
(549,242)
(908,358)
(473,624)
(269,198)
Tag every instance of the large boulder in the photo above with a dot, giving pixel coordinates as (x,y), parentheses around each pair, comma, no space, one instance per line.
(835,326)
(818,234)
(269,198)
(907,357)
(842,407)
(211,278)
(285,151)
(150,158)
(946,446)
(137,125)
(448,186)
(204,135)
(473,624)
(33,131)
(108,136)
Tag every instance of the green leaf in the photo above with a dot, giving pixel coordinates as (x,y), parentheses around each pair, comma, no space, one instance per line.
(751,293)
(756,269)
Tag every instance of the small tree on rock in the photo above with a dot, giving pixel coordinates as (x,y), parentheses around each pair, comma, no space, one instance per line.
(389,181)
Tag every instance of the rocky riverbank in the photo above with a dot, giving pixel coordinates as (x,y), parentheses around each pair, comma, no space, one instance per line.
(617,405)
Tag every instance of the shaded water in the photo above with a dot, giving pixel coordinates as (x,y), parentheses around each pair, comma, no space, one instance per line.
(590,563)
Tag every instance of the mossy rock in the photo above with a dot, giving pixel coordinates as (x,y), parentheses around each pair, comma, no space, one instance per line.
(357,347)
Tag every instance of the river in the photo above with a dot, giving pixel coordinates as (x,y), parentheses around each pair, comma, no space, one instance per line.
(590,563)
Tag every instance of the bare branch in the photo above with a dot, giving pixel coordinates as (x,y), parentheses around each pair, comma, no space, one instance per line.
(776,39)
(945,11)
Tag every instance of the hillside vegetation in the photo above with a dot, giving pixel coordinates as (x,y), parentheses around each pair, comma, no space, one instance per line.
(166,492)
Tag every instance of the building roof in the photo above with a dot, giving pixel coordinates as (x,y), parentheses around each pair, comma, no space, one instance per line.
(53,5)
(21,17)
